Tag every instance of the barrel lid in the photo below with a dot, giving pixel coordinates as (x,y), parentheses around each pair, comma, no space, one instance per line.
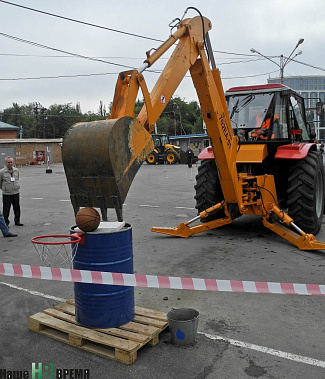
(105,227)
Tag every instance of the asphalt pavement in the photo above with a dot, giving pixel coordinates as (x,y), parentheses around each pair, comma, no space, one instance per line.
(240,335)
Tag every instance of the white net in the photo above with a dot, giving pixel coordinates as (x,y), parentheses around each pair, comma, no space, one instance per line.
(54,253)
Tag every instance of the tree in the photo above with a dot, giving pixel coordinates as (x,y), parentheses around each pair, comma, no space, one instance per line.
(102,110)
(20,116)
(60,118)
(178,117)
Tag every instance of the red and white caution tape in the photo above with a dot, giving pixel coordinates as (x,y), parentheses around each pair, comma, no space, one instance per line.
(157,281)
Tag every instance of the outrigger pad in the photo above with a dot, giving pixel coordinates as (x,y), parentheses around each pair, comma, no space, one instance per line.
(101,159)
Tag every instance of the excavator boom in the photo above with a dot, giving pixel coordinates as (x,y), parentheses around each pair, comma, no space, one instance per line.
(101,158)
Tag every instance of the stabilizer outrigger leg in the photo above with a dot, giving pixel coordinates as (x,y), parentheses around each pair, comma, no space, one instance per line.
(295,235)
(185,230)
(285,227)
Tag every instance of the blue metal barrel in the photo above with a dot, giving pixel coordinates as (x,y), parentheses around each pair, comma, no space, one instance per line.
(98,305)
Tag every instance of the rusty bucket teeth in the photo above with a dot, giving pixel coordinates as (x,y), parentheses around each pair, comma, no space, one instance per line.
(101,159)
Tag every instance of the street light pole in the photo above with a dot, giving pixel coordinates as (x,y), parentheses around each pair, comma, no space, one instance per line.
(283,60)
(301,40)
(281,68)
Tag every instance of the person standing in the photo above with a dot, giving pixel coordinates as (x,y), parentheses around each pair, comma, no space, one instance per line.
(9,184)
(189,156)
(4,228)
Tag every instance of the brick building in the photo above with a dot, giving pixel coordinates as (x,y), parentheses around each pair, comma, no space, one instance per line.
(8,131)
(31,151)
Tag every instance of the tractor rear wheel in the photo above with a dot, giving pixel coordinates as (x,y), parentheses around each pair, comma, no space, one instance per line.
(306,192)
(171,157)
(152,158)
(208,189)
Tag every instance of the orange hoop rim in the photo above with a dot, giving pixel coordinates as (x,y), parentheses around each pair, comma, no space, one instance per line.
(37,239)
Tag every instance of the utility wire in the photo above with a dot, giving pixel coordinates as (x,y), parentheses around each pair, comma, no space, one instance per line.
(105,28)
(113,63)
(63,56)
(58,77)
(80,22)
(47,115)
(308,65)
(61,51)
(108,73)
(67,56)
(116,31)
(225,52)
(250,76)
(130,34)
(246,61)
(67,52)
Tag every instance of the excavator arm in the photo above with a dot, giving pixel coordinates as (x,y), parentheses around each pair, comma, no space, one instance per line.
(101,158)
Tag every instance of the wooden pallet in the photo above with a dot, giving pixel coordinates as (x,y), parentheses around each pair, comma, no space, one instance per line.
(120,344)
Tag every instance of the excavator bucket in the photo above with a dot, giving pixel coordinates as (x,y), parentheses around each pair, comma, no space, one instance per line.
(101,159)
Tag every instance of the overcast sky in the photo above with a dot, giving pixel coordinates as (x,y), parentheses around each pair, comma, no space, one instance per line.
(271,27)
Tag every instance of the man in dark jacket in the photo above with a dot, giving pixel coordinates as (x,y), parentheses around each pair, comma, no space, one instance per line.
(9,183)
(189,156)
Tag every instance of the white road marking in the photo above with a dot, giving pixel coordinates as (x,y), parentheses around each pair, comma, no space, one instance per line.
(35,293)
(262,349)
(157,206)
(141,205)
(267,350)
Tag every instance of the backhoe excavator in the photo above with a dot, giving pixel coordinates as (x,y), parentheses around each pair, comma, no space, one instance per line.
(101,158)
(164,151)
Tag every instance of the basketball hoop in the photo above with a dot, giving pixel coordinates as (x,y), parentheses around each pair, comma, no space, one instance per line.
(53,249)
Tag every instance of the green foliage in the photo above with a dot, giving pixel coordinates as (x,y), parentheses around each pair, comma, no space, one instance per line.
(138,106)
(178,117)
(59,118)
(20,116)
(39,122)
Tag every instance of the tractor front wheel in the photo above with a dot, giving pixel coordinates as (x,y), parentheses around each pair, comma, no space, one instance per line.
(171,157)
(152,158)
(306,192)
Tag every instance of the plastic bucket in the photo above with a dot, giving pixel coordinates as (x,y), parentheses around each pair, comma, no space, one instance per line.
(183,323)
(106,249)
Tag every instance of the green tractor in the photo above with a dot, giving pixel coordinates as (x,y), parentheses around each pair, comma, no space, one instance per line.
(164,151)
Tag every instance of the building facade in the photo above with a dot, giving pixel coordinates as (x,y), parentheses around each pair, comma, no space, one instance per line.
(197,142)
(312,89)
(31,151)
(8,131)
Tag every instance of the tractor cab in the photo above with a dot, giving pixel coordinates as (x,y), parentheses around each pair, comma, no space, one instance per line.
(271,112)
(160,140)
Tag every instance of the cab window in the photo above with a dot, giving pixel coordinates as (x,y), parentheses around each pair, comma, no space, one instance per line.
(296,117)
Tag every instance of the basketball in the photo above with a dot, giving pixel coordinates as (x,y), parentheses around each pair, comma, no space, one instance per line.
(87,219)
